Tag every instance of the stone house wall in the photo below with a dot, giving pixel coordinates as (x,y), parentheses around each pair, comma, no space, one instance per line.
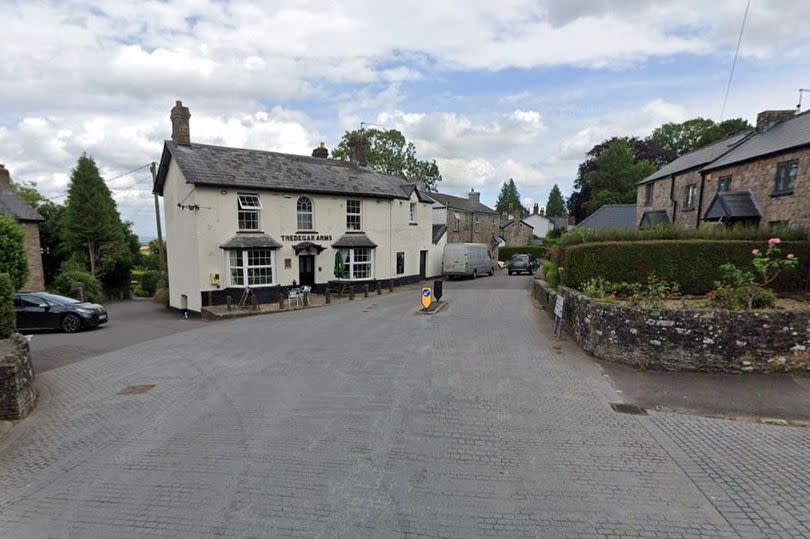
(517,234)
(685,340)
(759,176)
(687,218)
(660,201)
(36,279)
(467,233)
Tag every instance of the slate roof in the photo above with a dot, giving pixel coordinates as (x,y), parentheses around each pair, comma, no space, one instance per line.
(204,164)
(783,136)
(654,218)
(560,222)
(438,232)
(733,205)
(11,203)
(507,222)
(353,240)
(460,203)
(251,241)
(611,216)
(698,158)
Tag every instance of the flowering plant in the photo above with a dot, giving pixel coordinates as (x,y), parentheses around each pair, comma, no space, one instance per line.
(770,263)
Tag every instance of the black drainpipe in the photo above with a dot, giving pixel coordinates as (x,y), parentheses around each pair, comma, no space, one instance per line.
(700,199)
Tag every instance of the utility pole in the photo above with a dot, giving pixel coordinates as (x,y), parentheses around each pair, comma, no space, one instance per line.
(162,246)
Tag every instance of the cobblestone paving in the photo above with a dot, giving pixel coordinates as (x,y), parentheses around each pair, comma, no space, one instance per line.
(370,420)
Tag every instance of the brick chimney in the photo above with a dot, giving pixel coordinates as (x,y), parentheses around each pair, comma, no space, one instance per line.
(181,133)
(769,118)
(321,152)
(474,196)
(360,149)
(5,177)
(510,211)
(536,209)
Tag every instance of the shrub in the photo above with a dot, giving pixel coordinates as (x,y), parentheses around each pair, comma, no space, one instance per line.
(13,260)
(578,236)
(147,282)
(7,316)
(504,253)
(90,285)
(750,296)
(550,273)
(693,264)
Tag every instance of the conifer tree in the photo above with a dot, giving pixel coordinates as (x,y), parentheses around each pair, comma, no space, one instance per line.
(555,207)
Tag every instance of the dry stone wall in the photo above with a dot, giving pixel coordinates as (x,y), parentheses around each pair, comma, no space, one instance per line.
(685,340)
(17,395)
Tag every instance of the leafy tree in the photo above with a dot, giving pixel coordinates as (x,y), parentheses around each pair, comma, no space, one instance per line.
(91,219)
(29,193)
(8,318)
(684,137)
(509,198)
(391,153)
(615,174)
(13,260)
(555,207)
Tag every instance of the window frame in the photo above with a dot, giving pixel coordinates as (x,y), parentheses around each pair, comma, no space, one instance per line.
(689,201)
(649,193)
(248,213)
(412,213)
(724,180)
(791,164)
(400,265)
(242,257)
(476,222)
(299,213)
(456,222)
(351,216)
(350,263)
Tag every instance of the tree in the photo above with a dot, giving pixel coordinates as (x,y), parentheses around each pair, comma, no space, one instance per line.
(12,251)
(688,136)
(615,174)
(91,220)
(54,249)
(390,152)
(509,198)
(555,207)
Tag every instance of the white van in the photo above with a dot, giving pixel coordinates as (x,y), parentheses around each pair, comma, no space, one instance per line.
(465,259)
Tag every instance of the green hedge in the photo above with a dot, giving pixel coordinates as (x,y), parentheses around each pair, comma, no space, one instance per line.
(708,231)
(90,285)
(693,264)
(504,253)
(8,320)
(147,282)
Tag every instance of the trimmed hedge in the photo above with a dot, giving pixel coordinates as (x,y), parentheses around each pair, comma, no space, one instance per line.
(693,264)
(90,285)
(707,231)
(8,321)
(504,253)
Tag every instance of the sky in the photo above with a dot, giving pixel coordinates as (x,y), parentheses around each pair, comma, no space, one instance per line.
(490,90)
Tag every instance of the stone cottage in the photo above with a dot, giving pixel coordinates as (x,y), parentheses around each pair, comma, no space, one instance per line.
(515,231)
(11,203)
(466,220)
(759,177)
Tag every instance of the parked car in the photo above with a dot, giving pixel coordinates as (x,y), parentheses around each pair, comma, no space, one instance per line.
(520,264)
(467,259)
(41,310)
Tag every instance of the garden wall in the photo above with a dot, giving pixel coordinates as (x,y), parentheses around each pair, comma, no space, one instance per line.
(685,340)
(17,395)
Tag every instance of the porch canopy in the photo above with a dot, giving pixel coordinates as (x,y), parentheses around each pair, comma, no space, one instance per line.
(250,241)
(305,245)
(348,241)
(654,218)
(733,206)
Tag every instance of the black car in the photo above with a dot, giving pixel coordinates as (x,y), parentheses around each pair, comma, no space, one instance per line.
(41,310)
(520,264)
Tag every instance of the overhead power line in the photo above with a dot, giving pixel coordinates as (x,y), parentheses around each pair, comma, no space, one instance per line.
(115,178)
(734,62)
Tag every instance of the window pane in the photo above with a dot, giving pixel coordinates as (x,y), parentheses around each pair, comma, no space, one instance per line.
(362,270)
(258,276)
(249,202)
(362,255)
(248,220)
(304,208)
(353,215)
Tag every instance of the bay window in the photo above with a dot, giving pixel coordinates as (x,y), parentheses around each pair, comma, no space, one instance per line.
(251,267)
(357,263)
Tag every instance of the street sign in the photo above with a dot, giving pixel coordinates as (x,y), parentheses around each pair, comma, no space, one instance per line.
(558,315)
(427,298)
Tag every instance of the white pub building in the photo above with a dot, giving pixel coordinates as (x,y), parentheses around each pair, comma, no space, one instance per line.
(237,217)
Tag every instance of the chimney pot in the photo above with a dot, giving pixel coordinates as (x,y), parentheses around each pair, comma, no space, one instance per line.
(5,176)
(769,118)
(181,133)
(321,152)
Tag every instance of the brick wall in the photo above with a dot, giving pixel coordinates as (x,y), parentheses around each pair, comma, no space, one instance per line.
(36,279)
(759,177)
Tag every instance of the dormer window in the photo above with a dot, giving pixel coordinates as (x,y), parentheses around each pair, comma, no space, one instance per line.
(249,207)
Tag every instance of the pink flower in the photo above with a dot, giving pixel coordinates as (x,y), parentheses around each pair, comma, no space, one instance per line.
(790,256)
(755,252)
(774,241)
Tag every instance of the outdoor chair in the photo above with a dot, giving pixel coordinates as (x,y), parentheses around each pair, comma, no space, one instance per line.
(296,294)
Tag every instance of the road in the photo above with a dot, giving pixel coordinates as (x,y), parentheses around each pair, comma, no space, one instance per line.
(369,419)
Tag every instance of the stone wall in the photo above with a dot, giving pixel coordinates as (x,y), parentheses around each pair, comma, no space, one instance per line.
(17,395)
(467,232)
(517,234)
(660,199)
(685,340)
(759,177)
(36,279)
